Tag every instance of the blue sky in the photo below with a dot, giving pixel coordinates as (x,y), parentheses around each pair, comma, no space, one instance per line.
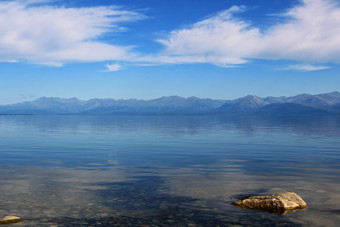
(146,49)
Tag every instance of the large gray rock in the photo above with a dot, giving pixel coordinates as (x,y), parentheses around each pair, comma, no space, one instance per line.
(277,204)
(10,220)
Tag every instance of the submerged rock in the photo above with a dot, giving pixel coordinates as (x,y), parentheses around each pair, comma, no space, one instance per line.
(282,203)
(10,220)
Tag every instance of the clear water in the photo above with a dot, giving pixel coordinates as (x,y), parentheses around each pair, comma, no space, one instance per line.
(166,170)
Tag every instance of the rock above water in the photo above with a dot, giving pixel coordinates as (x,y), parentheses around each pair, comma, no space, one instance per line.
(10,220)
(277,204)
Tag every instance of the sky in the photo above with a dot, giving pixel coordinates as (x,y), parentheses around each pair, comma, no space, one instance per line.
(146,49)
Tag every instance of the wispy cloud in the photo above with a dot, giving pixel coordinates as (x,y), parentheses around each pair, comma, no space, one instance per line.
(51,35)
(306,67)
(310,32)
(37,32)
(32,2)
(113,67)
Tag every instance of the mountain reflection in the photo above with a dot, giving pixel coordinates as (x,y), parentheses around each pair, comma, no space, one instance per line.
(328,125)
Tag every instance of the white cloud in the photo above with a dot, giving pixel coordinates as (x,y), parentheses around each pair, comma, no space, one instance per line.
(35,31)
(113,67)
(51,35)
(310,32)
(31,2)
(306,67)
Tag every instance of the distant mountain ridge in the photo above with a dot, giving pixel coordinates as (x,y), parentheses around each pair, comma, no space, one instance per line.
(328,103)
(163,105)
(248,103)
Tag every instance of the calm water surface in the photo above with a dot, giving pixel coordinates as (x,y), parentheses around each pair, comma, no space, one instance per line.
(166,170)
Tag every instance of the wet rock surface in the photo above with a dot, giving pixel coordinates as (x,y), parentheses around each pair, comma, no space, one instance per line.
(10,220)
(282,203)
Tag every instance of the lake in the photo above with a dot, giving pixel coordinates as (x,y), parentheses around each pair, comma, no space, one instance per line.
(166,170)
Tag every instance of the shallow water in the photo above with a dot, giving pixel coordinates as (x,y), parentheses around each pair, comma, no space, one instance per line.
(166,170)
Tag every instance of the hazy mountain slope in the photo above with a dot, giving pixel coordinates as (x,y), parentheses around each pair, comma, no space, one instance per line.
(243,105)
(300,104)
(171,104)
(288,109)
(45,105)
(304,103)
(322,101)
(272,99)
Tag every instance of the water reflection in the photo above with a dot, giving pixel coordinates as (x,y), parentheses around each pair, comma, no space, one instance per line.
(178,124)
(166,171)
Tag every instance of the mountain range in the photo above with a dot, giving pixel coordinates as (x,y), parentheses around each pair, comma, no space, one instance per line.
(328,103)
